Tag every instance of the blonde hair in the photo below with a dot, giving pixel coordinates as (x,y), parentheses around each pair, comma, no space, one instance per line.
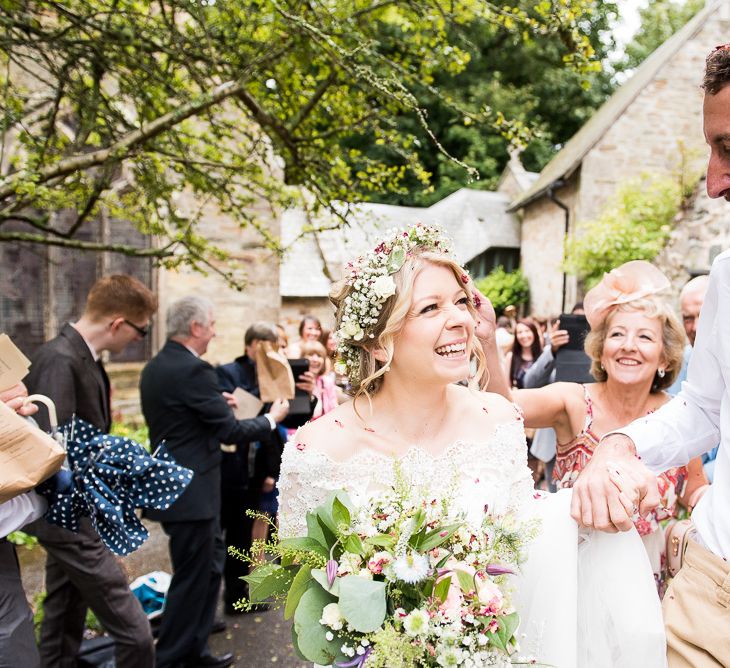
(315,348)
(369,377)
(672,339)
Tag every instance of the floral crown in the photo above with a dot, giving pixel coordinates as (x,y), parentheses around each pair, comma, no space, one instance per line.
(371,282)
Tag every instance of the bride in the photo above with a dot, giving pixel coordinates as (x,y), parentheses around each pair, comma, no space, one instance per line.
(407,324)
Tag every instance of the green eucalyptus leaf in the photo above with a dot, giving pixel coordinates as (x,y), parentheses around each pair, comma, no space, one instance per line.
(508,627)
(354,544)
(314,530)
(466,581)
(363,603)
(381,540)
(295,643)
(299,585)
(441,590)
(321,576)
(340,513)
(304,544)
(329,533)
(267,581)
(396,259)
(435,538)
(310,634)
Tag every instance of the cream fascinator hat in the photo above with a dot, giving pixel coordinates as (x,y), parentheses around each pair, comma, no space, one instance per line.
(633,280)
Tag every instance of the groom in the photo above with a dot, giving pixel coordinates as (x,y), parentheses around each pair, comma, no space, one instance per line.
(697,603)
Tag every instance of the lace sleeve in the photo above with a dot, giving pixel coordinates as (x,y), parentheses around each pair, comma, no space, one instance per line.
(302,487)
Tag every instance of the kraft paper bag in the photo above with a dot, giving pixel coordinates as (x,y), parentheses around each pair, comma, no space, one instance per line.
(27,455)
(249,405)
(276,380)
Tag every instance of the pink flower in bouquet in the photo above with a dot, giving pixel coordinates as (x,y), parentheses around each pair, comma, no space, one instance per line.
(490,595)
(379,561)
(455,598)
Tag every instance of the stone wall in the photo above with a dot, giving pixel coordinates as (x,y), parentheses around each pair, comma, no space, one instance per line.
(658,130)
(543,231)
(702,232)
(234,310)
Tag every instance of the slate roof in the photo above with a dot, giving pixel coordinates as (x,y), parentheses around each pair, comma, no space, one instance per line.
(475,219)
(564,164)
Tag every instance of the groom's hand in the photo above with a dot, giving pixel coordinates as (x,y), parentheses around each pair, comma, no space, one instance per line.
(598,502)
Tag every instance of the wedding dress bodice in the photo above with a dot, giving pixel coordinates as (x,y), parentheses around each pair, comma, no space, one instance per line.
(491,473)
(586,599)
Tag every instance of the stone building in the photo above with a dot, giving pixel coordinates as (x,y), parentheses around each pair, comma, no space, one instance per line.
(647,126)
(485,235)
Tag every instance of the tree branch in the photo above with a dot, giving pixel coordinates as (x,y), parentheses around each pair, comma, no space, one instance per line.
(130,141)
(132,251)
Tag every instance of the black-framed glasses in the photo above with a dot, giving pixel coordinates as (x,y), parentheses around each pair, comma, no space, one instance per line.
(142,331)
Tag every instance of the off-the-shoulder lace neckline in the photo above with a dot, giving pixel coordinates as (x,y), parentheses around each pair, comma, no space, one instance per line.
(369,453)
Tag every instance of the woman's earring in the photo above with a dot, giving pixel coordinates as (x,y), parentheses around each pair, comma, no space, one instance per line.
(661,373)
(600,366)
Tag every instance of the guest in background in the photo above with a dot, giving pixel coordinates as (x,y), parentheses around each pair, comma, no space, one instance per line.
(526,349)
(310,329)
(504,336)
(325,389)
(183,405)
(635,345)
(81,572)
(242,489)
(329,341)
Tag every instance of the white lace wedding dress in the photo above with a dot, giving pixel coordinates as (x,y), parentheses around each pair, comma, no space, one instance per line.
(586,599)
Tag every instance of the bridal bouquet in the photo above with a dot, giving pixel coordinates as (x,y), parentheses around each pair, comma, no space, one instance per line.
(402,581)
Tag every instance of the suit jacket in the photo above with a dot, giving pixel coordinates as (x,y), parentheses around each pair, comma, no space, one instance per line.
(64,370)
(242,373)
(183,406)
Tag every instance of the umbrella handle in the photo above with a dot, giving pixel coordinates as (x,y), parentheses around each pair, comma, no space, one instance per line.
(52,417)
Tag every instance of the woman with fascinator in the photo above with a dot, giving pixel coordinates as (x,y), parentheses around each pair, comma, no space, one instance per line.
(410,328)
(636,345)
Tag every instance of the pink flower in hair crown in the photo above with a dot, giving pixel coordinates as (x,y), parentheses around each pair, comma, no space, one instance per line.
(633,280)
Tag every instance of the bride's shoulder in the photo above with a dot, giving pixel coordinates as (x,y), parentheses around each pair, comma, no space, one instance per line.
(485,406)
(334,434)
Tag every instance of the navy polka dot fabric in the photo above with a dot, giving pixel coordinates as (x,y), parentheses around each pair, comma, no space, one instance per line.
(112,476)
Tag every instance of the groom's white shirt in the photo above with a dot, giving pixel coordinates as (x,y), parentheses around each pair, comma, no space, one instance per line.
(699,416)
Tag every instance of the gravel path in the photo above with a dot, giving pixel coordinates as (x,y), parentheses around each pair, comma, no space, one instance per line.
(256,639)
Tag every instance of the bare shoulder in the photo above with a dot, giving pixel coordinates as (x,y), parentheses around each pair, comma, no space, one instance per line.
(487,407)
(335,434)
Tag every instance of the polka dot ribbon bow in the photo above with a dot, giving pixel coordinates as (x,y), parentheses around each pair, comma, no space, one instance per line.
(112,476)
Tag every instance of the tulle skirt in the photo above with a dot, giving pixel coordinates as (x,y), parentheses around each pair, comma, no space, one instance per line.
(588,599)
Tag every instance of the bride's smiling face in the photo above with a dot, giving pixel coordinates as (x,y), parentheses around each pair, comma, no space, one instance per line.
(436,340)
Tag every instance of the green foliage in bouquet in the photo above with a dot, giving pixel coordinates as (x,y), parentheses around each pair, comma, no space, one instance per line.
(402,581)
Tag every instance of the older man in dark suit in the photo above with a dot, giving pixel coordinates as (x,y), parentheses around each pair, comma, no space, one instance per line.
(184,407)
(80,571)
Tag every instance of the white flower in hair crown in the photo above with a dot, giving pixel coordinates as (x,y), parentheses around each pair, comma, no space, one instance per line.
(371,280)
